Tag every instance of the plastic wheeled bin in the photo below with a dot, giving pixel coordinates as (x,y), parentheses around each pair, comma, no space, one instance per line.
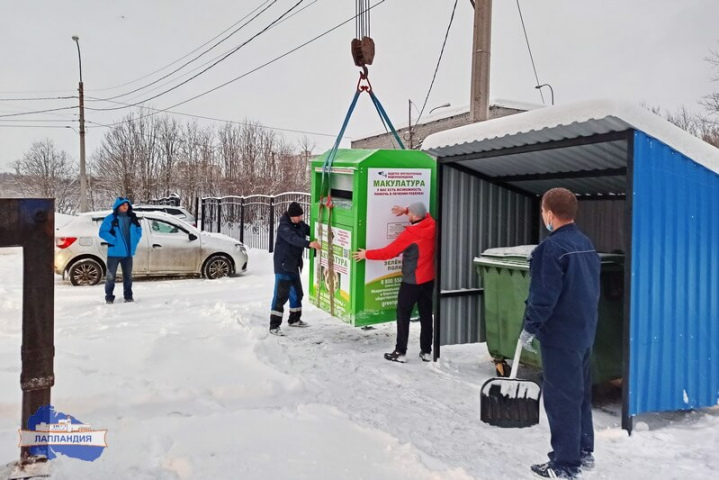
(505,276)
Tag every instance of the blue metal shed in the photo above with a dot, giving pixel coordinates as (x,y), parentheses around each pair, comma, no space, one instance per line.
(646,188)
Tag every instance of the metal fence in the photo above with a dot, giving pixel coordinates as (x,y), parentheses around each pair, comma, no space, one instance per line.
(253,220)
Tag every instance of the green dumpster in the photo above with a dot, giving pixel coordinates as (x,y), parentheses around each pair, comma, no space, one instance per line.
(505,275)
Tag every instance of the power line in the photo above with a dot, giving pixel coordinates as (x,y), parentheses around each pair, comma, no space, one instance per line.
(266,64)
(66,120)
(184,56)
(207,68)
(198,56)
(15,92)
(169,82)
(202,117)
(526,37)
(37,111)
(5,125)
(27,99)
(439,60)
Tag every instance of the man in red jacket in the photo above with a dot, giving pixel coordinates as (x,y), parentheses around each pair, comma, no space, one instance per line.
(416,244)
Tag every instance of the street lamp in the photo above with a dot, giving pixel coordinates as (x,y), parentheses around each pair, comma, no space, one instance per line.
(81,91)
(538,87)
(441,106)
(411,127)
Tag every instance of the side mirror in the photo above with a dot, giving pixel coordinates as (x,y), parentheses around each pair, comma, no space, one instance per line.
(192,237)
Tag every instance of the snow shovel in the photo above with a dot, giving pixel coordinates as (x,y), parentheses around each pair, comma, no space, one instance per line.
(510,402)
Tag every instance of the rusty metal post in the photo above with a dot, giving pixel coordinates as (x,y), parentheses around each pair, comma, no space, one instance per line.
(30,224)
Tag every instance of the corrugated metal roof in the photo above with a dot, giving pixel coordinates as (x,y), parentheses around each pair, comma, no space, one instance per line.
(674,328)
(567,122)
(580,158)
(578,186)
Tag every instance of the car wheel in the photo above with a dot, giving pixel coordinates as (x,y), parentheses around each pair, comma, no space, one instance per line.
(85,273)
(217,266)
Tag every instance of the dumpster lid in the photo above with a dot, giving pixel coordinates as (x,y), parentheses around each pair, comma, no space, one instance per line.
(521,251)
(617,258)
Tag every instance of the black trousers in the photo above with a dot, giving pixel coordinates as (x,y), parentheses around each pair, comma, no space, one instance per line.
(409,296)
(567,390)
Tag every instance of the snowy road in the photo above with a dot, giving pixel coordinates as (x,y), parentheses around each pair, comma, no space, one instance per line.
(190,385)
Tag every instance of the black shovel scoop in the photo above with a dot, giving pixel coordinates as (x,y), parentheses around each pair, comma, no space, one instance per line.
(510,402)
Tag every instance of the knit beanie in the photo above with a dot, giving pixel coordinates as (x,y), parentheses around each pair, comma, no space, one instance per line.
(294,210)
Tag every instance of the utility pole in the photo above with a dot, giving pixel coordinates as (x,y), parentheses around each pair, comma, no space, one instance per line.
(83,174)
(479,104)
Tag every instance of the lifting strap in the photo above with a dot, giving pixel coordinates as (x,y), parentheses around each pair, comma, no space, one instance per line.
(363,85)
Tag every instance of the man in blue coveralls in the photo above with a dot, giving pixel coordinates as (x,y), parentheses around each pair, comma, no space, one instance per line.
(562,313)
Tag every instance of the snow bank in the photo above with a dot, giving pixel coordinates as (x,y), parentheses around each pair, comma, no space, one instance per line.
(190,385)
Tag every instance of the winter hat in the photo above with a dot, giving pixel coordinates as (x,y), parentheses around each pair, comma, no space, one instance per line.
(294,210)
(418,209)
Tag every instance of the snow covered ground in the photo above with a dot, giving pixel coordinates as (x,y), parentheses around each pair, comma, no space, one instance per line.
(190,385)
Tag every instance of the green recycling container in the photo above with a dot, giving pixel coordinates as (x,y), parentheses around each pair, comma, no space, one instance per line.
(505,275)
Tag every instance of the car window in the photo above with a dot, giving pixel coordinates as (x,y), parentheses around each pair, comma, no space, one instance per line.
(176,212)
(164,228)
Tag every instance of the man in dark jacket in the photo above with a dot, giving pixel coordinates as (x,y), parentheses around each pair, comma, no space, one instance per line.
(290,244)
(416,244)
(562,312)
(122,232)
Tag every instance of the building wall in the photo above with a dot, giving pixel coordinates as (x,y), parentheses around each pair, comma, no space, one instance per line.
(423,130)
(674,329)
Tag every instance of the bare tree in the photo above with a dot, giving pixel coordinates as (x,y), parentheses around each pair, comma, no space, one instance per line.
(711,101)
(171,142)
(46,171)
(700,126)
(149,157)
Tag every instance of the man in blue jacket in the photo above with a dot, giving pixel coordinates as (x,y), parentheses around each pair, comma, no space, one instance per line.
(122,232)
(562,313)
(292,239)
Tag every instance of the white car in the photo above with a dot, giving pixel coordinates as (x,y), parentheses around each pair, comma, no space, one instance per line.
(168,247)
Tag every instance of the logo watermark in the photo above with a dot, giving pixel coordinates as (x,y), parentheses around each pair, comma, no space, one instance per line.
(50,432)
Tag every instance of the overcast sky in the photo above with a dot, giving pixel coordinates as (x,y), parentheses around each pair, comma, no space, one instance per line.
(649,51)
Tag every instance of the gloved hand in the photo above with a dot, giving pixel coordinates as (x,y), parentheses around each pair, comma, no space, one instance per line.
(525,339)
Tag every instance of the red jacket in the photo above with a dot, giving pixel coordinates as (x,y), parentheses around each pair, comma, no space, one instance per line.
(416,243)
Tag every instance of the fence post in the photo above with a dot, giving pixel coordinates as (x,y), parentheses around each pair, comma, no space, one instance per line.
(272,224)
(202,216)
(197,208)
(219,215)
(242,219)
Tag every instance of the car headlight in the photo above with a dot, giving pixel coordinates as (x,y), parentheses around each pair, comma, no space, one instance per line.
(241,248)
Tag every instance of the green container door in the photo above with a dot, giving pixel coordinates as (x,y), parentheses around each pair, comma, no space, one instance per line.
(364,186)
(505,275)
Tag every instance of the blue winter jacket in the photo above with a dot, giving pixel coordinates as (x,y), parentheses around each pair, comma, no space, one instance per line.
(563,302)
(111,232)
(290,244)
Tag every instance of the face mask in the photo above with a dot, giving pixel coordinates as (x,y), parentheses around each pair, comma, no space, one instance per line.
(550,227)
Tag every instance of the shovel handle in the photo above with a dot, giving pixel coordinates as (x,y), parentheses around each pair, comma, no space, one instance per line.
(515,362)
